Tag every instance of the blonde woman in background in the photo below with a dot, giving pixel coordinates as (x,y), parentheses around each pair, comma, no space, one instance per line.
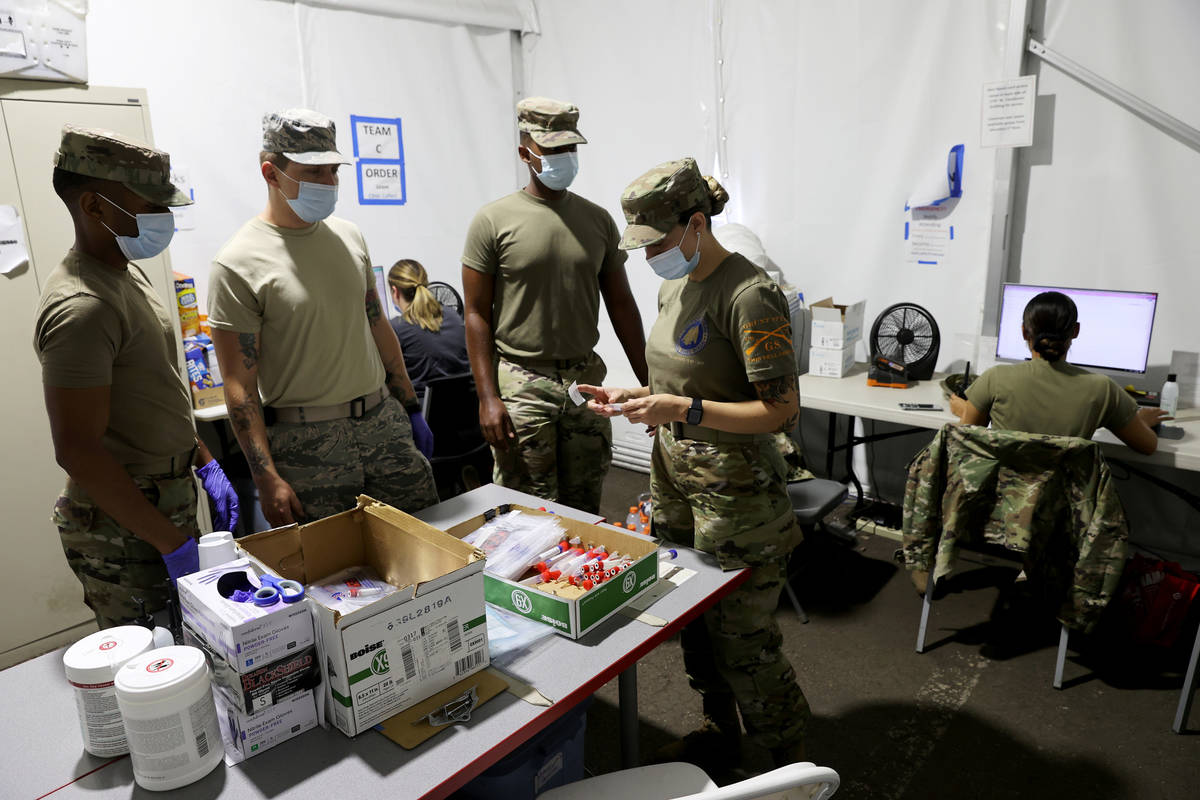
(431,335)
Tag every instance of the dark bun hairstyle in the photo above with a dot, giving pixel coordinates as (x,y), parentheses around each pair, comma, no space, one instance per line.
(1048,323)
(713,205)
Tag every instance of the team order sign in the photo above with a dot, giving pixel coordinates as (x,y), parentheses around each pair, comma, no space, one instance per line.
(379,160)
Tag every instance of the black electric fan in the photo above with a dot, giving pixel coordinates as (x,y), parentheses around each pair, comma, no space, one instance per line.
(907,334)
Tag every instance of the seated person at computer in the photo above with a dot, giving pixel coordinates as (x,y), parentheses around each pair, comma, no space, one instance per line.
(1048,395)
(431,335)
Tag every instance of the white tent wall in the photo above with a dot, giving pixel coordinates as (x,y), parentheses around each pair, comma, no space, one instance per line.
(213,67)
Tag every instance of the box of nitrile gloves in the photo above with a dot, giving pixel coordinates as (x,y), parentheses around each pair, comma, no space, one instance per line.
(259,688)
(247,735)
(389,644)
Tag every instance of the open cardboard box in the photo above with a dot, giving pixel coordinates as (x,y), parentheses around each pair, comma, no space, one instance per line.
(836,326)
(393,653)
(575,616)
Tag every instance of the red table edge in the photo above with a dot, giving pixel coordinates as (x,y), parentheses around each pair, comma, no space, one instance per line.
(542,721)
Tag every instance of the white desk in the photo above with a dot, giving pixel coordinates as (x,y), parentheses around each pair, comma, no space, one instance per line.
(44,751)
(852,396)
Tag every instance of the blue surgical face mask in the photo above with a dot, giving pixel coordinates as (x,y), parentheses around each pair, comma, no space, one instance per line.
(315,201)
(671,264)
(155,232)
(558,169)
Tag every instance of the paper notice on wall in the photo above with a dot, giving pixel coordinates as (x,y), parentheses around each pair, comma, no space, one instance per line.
(185,216)
(927,241)
(1186,366)
(13,253)
(1007,117)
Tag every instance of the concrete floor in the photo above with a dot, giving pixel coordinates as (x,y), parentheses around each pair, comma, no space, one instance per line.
(960,721)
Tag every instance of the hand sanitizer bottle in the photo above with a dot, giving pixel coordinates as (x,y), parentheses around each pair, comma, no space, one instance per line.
(1168,399)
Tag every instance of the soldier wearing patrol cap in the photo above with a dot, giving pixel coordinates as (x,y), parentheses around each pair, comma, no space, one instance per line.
(535,265)
(296,318)
(722,382)
(119,408)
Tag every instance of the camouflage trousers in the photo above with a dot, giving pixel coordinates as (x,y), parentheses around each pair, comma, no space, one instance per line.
(329,464)
(114,566)
(730,500)
(562,451)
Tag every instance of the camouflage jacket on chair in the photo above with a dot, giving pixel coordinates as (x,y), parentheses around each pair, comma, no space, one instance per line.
(1051,497)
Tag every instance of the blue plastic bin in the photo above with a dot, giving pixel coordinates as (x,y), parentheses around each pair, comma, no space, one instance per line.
(552,758)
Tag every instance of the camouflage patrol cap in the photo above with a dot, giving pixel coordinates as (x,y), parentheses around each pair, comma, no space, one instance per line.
(551,123)
(653,202)
(112,157)
(301,135)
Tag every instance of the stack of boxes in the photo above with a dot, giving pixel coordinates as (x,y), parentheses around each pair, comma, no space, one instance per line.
(264,659)
(836,330)
(204,375)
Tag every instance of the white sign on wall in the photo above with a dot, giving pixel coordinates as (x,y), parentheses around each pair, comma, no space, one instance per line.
(1008,112)
(379,160)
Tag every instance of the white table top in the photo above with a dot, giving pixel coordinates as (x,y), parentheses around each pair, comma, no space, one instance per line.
(851,395)
(44,749)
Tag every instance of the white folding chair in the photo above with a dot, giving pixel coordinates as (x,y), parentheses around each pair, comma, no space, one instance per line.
(679,781)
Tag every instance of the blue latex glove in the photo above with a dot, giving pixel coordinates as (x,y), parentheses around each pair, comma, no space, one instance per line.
(422,436)
(183,561)
(223,496)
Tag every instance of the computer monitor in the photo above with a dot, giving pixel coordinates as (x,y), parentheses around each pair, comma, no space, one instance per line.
(1114,327)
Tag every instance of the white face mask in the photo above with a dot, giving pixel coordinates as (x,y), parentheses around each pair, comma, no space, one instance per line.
(155,232)
(315,201)
(558,169)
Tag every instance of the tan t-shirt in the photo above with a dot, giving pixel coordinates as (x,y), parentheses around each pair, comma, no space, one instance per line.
(1038,396)
(98,326)
(714,338)
(546,257)
(304,292)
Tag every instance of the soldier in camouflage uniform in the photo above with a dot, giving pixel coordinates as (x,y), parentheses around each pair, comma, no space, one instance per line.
(119,408)
(1049,497)
(722,382)
(535,265)
(296,317)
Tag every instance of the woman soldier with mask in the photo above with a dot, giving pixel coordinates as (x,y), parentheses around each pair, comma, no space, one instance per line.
(1048,395)
(722,382)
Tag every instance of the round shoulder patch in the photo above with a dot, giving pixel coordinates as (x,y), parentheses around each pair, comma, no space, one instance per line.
(692,338)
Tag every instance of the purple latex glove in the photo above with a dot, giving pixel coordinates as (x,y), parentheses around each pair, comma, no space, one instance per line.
(183,561)
(223,496)
(422,436)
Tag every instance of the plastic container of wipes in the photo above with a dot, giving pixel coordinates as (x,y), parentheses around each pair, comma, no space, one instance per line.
(170,719)
(91,664)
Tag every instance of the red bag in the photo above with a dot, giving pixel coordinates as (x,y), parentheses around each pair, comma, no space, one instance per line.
(1156,597)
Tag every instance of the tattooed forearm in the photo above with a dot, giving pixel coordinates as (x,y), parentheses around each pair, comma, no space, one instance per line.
(374,309)
(246,413)
(401,388)
(781,391)
(256,457)
(248,344)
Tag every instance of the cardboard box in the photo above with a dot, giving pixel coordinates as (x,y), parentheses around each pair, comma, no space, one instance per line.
(247,735)
(828,362)
(835,326)
(393,653)
(574,617)
(245,635)
(207,398)
(264,686)
(44,40)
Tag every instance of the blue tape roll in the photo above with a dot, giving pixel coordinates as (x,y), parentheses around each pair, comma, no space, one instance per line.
(266,596)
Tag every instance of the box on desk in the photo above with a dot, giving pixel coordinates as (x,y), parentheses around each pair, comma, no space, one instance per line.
(572,617)
(263,686)
(828,362)
(247,735)
(246,636)
(388,655)
(836,326)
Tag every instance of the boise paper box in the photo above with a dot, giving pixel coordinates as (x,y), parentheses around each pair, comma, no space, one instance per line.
(836,326)
(386,656)
(573,616)
(243,634)
(247,735)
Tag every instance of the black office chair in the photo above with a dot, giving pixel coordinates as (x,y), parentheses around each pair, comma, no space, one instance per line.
(447,295)
(461,458)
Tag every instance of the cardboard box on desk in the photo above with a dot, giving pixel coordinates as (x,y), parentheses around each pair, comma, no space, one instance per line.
(258,689)
(393,653)
(207,398)
(828,362)
(243,634)
(576,616)
(836,326)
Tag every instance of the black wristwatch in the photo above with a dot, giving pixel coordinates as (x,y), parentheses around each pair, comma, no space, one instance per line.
(695,412)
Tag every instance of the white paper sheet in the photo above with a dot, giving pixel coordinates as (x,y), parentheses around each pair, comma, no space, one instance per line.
(13,252)
(1007,116)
